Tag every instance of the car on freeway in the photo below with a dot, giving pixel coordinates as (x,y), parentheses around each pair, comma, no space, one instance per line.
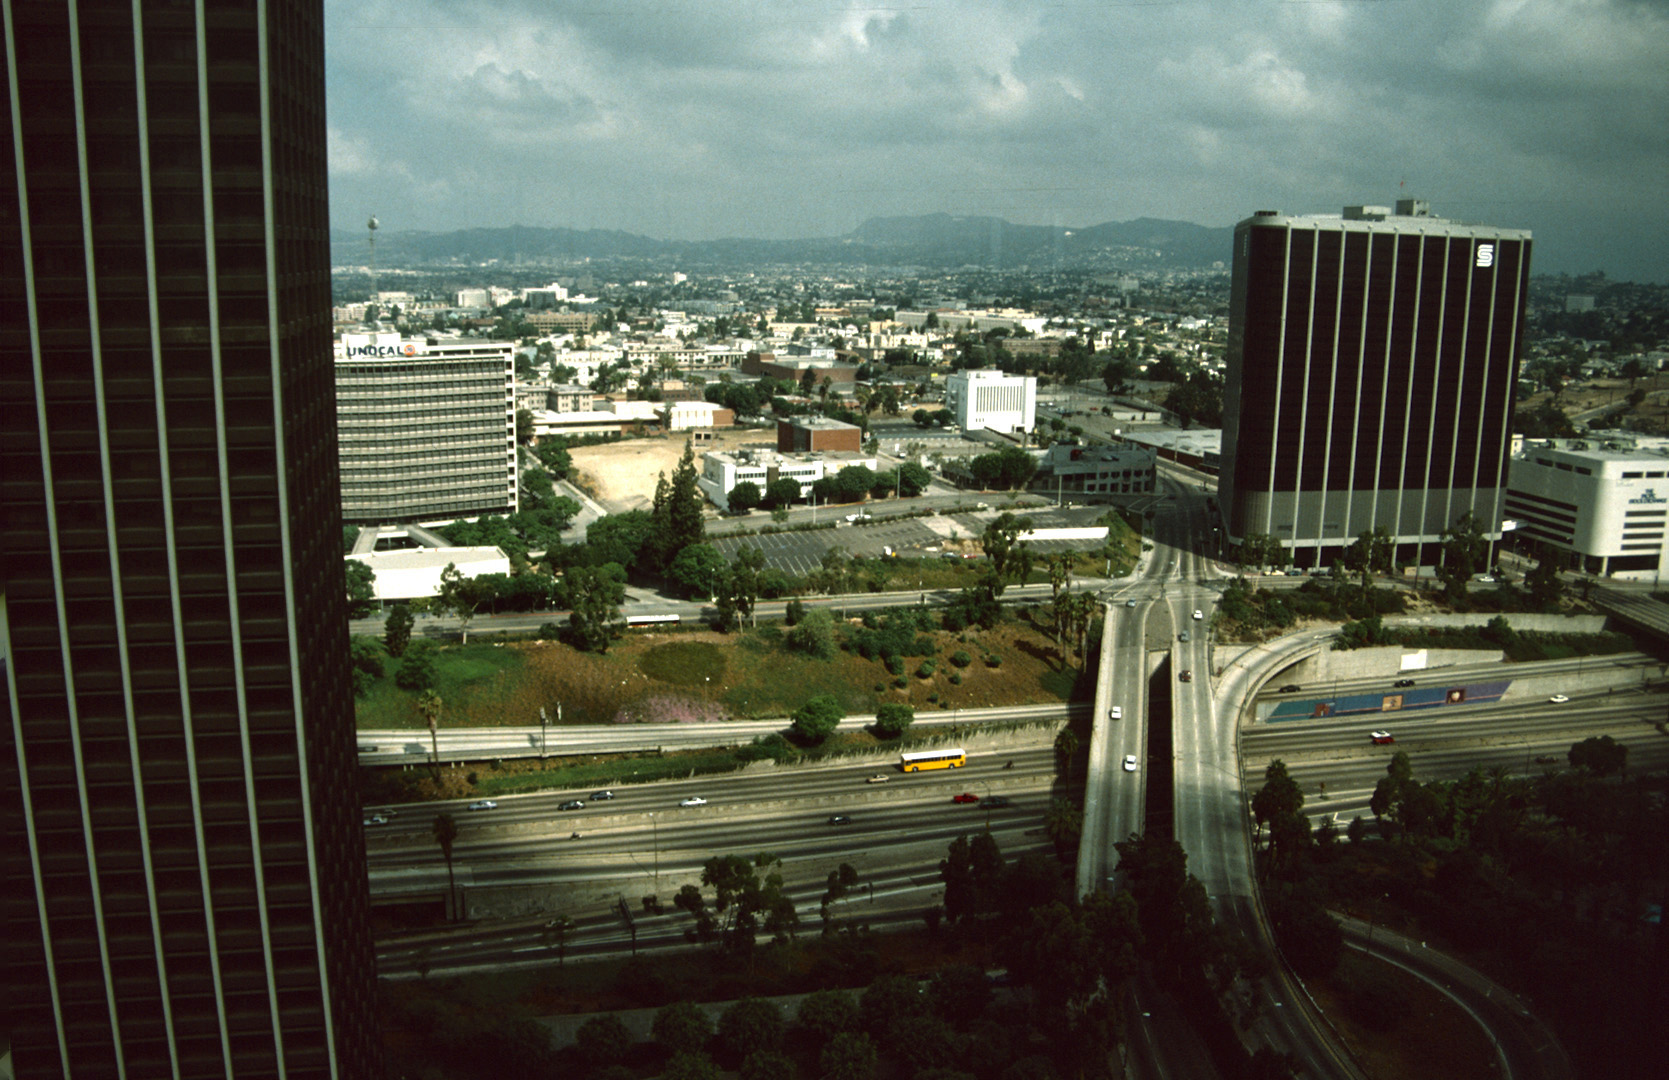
(1130,763)
(878,778)
(1403,682)
(1186,676)
(1291,688)
(483,804)
(693,800)
(855,518)
(997,802)
(1183,636)
(572,804)
(1547,759)
(602,796)
(1198,614)
(1116,712)
(367,747)
(376,819)
(839,819)
(1130,603)
(1558,699)
(965,797)
(1381,738)
(949,555)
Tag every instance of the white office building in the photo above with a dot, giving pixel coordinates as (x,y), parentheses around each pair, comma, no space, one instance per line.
(992,400)
(426,428)
(1603,499)
(722,470)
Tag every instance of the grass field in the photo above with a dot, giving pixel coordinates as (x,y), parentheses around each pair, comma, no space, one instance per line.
(700,675)
(1399,1028)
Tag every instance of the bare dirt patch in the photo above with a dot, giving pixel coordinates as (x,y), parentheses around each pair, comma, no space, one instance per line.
(623,473)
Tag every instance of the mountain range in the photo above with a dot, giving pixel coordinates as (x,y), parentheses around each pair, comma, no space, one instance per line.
(932,241)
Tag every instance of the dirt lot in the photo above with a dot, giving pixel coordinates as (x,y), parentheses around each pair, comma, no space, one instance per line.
(624,473)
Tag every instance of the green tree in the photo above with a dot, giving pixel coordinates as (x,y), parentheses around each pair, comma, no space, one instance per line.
(445,832)
(748,897)
(676,513)
(818,718)
(784,491)
(1600,754)
(1543,579)
(1465,551)
(1011,557)
(603,1040)
(888,1000)
(767,1065)
(593,597)
(813,634)
(417,669)
(750,1026)
(459,596)
(366,657)
(849,1056)
(691,1067)
(744,496)
(1066,748)
(524,426)
(699,568)
(618,538)
(682,1027)
(1064,825)
(396,629)
(362,590)
(826,1013)
(892,719)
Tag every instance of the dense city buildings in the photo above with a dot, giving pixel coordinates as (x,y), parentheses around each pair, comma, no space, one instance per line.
(992,401)
(186,888)
(427,428)
(1372,359)
(1603,502)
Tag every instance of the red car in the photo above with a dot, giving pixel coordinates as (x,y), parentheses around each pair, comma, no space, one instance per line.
(966,796)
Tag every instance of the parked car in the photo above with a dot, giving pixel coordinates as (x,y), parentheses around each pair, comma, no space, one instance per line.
(1130,764)
(1381,738)
(572,804)
(1558,699)
(1130,603)
(839,819)
(694,800)
(1198,614)
(965,797)
(601,796)
(1403,682)
(1291,688)
(1116,713)
(997,802)
(484,804)
(878,778)
(1186,676)
(1183,636)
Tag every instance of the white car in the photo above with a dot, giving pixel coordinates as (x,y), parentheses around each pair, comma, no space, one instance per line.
(855,518)
(1198,614)
(1116,712)
(1130,763)
(878,778)
(376,819)
(1558,699)
(484,804)
(694,800)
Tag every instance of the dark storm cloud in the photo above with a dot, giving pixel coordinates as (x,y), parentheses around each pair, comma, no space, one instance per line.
(759,118)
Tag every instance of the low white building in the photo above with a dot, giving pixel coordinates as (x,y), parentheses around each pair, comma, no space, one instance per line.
(691,415)
(414,573)
(722,470)
(1604,500)
(992,400)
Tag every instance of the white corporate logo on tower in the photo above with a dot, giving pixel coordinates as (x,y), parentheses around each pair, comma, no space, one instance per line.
(1486,256)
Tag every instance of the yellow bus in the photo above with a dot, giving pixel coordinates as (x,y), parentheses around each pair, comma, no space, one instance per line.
(952,758)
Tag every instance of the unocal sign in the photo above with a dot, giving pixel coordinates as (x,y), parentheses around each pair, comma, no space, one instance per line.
(380,351)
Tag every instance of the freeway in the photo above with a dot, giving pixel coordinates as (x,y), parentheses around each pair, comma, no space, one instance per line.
(642,842)
(405,746)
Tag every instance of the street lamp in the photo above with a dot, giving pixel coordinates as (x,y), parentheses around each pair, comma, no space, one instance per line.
(544,722)
(655,834)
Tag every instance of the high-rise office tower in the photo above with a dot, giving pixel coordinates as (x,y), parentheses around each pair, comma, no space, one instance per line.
(1371,365)
(185,890)
(427,428)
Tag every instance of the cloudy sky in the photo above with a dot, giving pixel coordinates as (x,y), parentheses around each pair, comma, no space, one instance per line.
(695,119)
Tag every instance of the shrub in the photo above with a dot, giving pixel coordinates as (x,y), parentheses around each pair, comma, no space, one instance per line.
(993,660)
(794,612)
(960,658)
(927,668)
(895,664)
(956,678)
(549,632)
(417,667)
(901,682)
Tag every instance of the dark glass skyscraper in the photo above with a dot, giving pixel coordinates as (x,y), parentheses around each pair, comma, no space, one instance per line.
(1371,365)
(185,889)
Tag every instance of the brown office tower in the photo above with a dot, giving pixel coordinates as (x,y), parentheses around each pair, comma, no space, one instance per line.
(185,890)
(1371,364)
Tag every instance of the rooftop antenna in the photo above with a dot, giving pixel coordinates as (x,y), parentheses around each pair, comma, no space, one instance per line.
(371,227)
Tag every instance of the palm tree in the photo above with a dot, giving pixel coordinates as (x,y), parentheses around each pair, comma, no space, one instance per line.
(557,931)
(1066,745)
(430,705)
(445,831)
